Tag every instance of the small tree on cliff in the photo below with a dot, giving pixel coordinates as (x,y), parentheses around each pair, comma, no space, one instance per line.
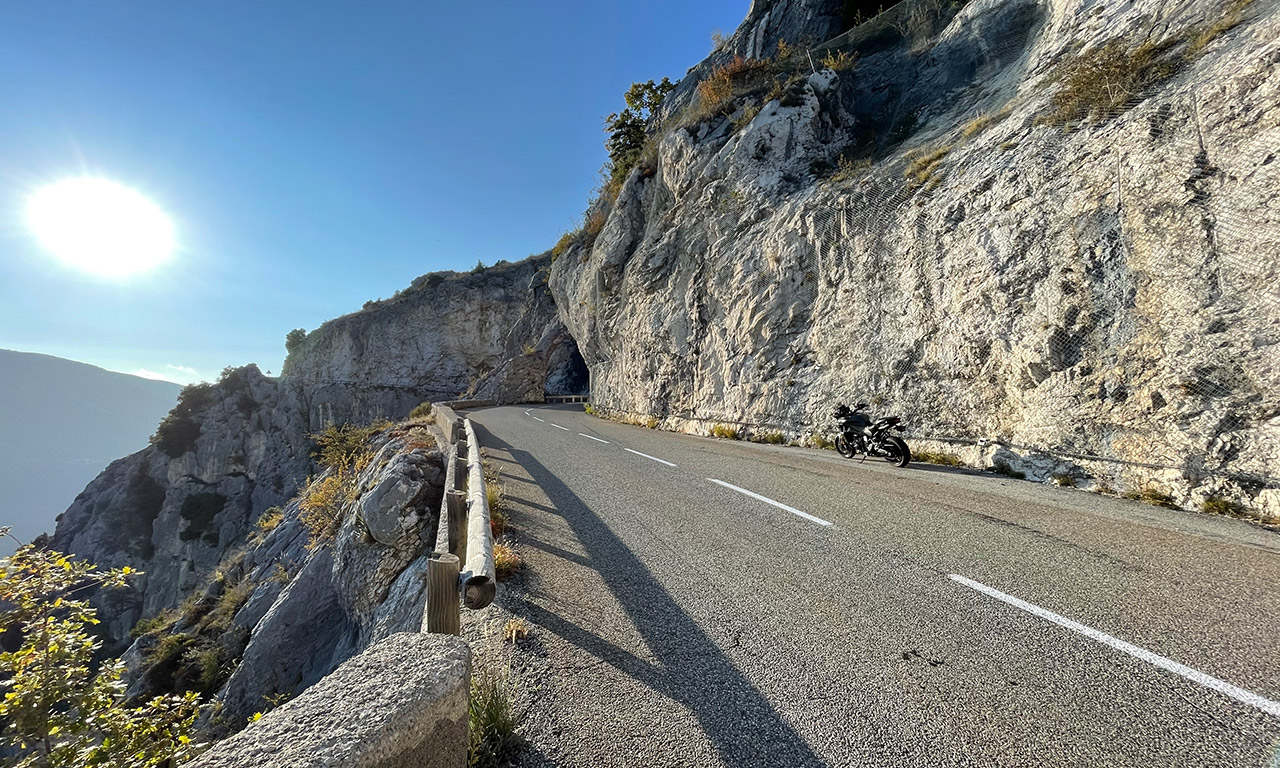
(293,339)
(626,129)
(57,713)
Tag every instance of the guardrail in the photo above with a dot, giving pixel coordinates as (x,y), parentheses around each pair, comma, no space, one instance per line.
(463,556)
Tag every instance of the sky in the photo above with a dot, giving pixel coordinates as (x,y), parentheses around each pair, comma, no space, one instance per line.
(311,156)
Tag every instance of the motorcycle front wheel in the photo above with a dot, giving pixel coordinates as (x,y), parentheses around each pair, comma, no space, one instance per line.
(896,451)
(843,447)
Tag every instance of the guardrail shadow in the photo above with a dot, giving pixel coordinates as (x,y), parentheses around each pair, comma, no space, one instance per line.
(744,727)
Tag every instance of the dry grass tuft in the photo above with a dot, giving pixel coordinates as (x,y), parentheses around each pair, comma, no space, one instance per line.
(725,432)
(506,561)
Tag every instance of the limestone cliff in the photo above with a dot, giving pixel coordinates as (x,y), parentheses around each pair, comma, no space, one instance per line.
(494,332)
(1043,231)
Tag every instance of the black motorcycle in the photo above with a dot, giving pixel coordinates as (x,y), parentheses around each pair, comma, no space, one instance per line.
(858,434)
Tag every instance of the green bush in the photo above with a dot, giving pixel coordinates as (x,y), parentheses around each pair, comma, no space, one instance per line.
(56,711)
(422,411)
(293,339)
(198,510)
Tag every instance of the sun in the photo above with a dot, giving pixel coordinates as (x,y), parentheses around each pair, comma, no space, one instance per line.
(100,227)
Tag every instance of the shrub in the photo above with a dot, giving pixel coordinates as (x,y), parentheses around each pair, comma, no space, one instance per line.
(772,438)
(976,125)
(421,411)
(506,561)
(323,502)
(922,167)
(156,624)
(1216,505)
(515,630)
(293,339)
(563,244)
(942,459)
(57,712)
(588,409)
(839,60)
(198,510)
(1199,38)
(491,720)
(268,521)
(724,431)
(1064,480)
(344,445)
(497,522)
(179,430)
(1108,79)
(819,440)
(1158,498)
(715,94)
(848,168)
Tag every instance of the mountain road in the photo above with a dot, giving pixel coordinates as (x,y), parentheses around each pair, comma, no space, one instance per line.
(704,602)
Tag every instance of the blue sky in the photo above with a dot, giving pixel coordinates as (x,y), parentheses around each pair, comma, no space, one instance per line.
(311,155)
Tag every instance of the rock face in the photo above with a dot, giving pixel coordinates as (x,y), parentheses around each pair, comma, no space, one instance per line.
(1094,297)
(494,332)
(176,517)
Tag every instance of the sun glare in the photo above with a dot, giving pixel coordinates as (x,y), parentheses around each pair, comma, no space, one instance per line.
(101,227)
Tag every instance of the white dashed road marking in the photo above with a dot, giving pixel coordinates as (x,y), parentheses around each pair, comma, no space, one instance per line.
(557,426)
(589,437)
(535,418)
(768,500)
(653,458)
(1195,676)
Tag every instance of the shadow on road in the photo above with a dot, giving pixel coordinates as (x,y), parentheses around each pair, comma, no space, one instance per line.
(740,722)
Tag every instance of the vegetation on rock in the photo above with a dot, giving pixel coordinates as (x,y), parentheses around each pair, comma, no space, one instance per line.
(57,712)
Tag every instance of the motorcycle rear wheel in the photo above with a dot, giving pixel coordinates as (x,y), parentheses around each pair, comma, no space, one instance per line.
(897,451)
(843,447)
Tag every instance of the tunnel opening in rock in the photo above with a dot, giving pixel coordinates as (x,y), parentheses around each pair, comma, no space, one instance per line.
(567,372)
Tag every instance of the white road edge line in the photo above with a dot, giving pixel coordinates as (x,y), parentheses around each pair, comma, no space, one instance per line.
(557,426)
(535,418)
(589,437)
(1195,676)
(647,456)
(768,500)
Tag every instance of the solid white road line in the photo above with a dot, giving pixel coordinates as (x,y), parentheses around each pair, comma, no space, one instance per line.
(1221,686)
(535,418)
(557,426)
(647,456)
(589,437)
(768,500)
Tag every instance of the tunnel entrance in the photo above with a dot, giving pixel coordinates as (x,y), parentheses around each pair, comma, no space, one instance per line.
(567,372)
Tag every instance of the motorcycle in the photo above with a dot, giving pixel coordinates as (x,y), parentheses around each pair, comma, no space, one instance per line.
(859,434)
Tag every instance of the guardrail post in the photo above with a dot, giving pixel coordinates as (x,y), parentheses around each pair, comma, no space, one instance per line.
(460,473)
(443,614)
(456,502)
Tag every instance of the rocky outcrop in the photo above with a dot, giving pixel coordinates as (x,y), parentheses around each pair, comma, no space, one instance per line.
(1091,296)
(494,333)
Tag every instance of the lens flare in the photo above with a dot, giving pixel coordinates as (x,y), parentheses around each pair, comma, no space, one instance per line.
(100,227)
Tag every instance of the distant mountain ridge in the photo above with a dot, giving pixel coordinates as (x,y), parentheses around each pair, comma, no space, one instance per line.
(61,423)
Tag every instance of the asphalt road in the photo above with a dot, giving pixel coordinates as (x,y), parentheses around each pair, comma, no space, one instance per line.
(880,616)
